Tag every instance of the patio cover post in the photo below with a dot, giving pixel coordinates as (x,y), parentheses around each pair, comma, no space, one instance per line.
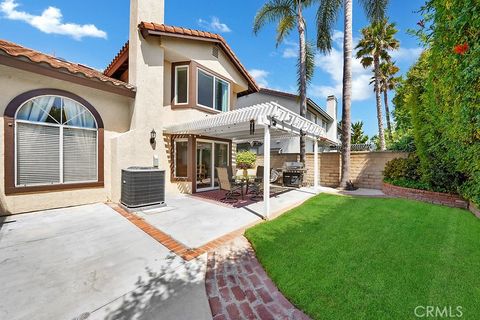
(266,172)
(315,164)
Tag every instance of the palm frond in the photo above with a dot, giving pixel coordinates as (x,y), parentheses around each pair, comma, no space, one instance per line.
(309,64)
(378,39)
(284,27)
(375,9)
(326,17)
(274,10)
(366,61)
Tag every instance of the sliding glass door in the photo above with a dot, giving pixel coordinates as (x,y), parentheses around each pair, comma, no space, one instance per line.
(210,154)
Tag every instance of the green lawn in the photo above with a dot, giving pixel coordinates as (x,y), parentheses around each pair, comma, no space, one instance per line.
(340,257)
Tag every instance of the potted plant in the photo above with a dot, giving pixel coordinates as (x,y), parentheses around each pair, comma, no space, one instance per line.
(246,160)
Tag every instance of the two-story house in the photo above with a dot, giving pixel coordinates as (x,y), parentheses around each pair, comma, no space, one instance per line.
(168,98)
(327,119)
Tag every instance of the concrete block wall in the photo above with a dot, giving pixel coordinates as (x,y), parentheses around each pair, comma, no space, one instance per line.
(366,167)
(277,160)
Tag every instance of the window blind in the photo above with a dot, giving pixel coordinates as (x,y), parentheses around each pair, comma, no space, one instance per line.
(79,155)
(38,154)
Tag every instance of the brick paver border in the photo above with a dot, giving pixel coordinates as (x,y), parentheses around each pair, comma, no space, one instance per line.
(238,287)
(179,248)
(173,245)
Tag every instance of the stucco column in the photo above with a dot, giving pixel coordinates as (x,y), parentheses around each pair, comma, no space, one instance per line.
(146,72)
(146,66)
(266,172)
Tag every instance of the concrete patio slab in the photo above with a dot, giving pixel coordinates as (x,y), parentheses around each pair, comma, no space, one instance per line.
(359,192)
(195,222)
(86,263)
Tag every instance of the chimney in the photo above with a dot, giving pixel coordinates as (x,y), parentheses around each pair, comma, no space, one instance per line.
(141,10)
(145,64)
(332,111)
(145,10)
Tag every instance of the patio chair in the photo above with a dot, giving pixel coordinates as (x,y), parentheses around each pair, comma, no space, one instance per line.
(257,180)
(257,186)
(233,179)
(226,185)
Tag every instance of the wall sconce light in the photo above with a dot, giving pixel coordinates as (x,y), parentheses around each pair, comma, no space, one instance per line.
(153,136)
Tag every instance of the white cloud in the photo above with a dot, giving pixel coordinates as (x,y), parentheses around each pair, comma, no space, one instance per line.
(337,37)
(260,77)
(290,53)
(214,25)
(408,54)
(332,64)
(290,50)
(50,21)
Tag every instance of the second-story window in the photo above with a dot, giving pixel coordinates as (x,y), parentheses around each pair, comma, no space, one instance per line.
(181,85)
(212,92)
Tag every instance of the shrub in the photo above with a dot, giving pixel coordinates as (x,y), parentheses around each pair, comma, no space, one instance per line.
(440,98)
(403,168)
(246,159)
(409,184)
(402,141)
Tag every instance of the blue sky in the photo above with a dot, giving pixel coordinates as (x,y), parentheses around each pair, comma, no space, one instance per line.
(91,32)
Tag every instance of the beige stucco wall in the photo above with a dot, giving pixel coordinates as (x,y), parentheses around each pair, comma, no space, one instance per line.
(201,52)
(115,113)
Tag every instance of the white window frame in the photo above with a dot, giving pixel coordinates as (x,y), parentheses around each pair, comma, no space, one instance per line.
(61,126)
(175,157)
(176,84)
(214,91)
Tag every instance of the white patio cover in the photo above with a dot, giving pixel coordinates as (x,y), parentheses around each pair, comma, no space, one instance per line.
(235,124)
(270,120)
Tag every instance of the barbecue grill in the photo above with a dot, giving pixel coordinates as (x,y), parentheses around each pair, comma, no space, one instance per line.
(293,174)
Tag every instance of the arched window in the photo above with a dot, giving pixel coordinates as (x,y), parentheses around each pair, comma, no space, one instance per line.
(53,141)
(56,142)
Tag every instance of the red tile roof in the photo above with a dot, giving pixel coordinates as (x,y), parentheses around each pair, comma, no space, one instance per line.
(16,51)
(111,68)
(173,31)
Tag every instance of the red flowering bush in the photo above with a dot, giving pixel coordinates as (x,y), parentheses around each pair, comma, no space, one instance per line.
(461,49)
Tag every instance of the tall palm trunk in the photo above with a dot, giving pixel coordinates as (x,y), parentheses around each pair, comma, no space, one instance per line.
(303,76)
(347,93)
(381,134)
(387,113)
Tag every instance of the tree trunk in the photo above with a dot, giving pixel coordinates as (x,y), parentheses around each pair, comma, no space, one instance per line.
(387,113)
(303,76)
(347,93)
(381,133)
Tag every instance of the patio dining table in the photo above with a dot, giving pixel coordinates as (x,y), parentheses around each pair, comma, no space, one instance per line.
(244,183)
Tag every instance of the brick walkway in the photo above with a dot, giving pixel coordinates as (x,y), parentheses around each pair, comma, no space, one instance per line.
(238,287)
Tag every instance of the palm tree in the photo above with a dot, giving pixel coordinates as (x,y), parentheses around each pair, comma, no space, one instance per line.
(378,39)
(388,81)
(289,14)
(326,17)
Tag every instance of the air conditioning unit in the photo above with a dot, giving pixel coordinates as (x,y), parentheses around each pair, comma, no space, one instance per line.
(143,186)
